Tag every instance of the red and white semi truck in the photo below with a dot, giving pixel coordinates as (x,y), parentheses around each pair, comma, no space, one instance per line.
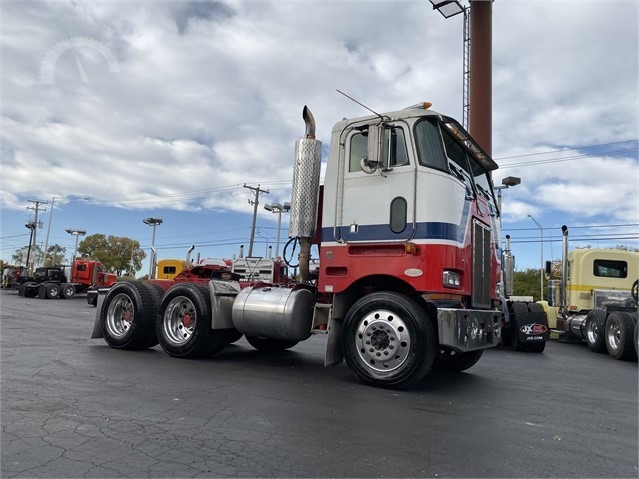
(406,227)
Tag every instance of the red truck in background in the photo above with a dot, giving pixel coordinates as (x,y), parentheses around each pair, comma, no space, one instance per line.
(66,281)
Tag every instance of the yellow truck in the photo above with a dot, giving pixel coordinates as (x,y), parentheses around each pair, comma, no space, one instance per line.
(596,299)
(170,268)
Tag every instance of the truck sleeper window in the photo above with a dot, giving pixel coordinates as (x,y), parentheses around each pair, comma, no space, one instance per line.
(608,268)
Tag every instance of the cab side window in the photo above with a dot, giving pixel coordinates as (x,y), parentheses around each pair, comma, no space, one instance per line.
(394,141)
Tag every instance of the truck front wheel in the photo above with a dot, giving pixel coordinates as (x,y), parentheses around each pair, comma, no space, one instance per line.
(184,323)
(388,340)
(619,335)
(128,315)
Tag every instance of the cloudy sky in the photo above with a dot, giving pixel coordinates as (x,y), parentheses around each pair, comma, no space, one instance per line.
(125,110)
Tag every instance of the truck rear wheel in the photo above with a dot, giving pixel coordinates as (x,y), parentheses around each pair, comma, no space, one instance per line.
(594,330)
(619,335)
(184,323)
(30,289)
(67,291)
(52,291)
(270,345)
(388,340)
(452,361)
(128,316)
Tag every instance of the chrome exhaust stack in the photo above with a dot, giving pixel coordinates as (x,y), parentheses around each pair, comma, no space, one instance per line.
(509,269)
(305,192)
(564,268)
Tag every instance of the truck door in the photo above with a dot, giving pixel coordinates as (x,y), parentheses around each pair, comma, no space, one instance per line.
(377,206)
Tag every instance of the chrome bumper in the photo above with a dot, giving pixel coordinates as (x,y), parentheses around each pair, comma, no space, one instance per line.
(468,329)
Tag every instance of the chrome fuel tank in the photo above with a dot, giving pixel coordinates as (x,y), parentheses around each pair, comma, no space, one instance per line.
(274,312)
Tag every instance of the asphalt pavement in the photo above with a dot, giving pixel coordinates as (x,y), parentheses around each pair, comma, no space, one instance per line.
(74,407)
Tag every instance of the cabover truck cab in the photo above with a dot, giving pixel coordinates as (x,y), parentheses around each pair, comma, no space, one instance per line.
(409,276)
(596,299)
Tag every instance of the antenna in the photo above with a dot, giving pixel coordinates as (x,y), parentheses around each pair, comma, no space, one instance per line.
(360,104)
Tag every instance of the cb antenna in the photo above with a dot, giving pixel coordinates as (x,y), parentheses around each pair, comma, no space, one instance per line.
(360,104)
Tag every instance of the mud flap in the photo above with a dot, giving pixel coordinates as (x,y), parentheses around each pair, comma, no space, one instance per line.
(97,330)
(532,326)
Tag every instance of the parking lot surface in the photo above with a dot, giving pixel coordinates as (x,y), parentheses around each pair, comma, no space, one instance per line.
(74,407)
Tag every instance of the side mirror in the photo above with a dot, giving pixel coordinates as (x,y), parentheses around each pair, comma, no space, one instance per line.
(375,137)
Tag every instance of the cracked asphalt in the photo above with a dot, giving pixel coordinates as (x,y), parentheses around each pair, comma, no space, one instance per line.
(73,407)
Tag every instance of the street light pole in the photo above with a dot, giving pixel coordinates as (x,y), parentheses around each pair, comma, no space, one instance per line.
(152,222)
(541,271)
(277,208)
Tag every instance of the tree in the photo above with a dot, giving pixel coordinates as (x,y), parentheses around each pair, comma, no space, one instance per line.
(55,255)
(526,283)
(19,256)
(116,253)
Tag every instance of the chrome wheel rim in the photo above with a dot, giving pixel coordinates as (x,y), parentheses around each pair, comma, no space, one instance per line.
(180,320)
(120,314)
(592,331)
(614,335)
(382,341)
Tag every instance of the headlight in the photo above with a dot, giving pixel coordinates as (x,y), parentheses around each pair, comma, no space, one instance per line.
(451,279)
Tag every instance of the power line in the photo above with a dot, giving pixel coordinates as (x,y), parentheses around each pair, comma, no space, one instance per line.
(570,158)
(574,227)
(564,149)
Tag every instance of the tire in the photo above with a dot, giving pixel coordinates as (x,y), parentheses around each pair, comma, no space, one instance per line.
(31,290)
(388,340)
(53,291)
(594,330)
(269,345)
(619,334)
(451,361)
(636,338)
(157,292)
(515,342)
(127,317)
(67,291)
(184,323)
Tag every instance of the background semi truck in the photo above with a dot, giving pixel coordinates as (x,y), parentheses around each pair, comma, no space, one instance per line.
(66,281)
(596,299)
(407,275)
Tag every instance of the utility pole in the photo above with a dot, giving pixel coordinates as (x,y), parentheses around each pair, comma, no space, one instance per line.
(37,209)
(46,242)
(256,192)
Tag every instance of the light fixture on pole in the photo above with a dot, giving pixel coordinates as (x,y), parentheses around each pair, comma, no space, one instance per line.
(153,222)
(277,208)
(541,270)
(77,234)
(505,183)
(448,8)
